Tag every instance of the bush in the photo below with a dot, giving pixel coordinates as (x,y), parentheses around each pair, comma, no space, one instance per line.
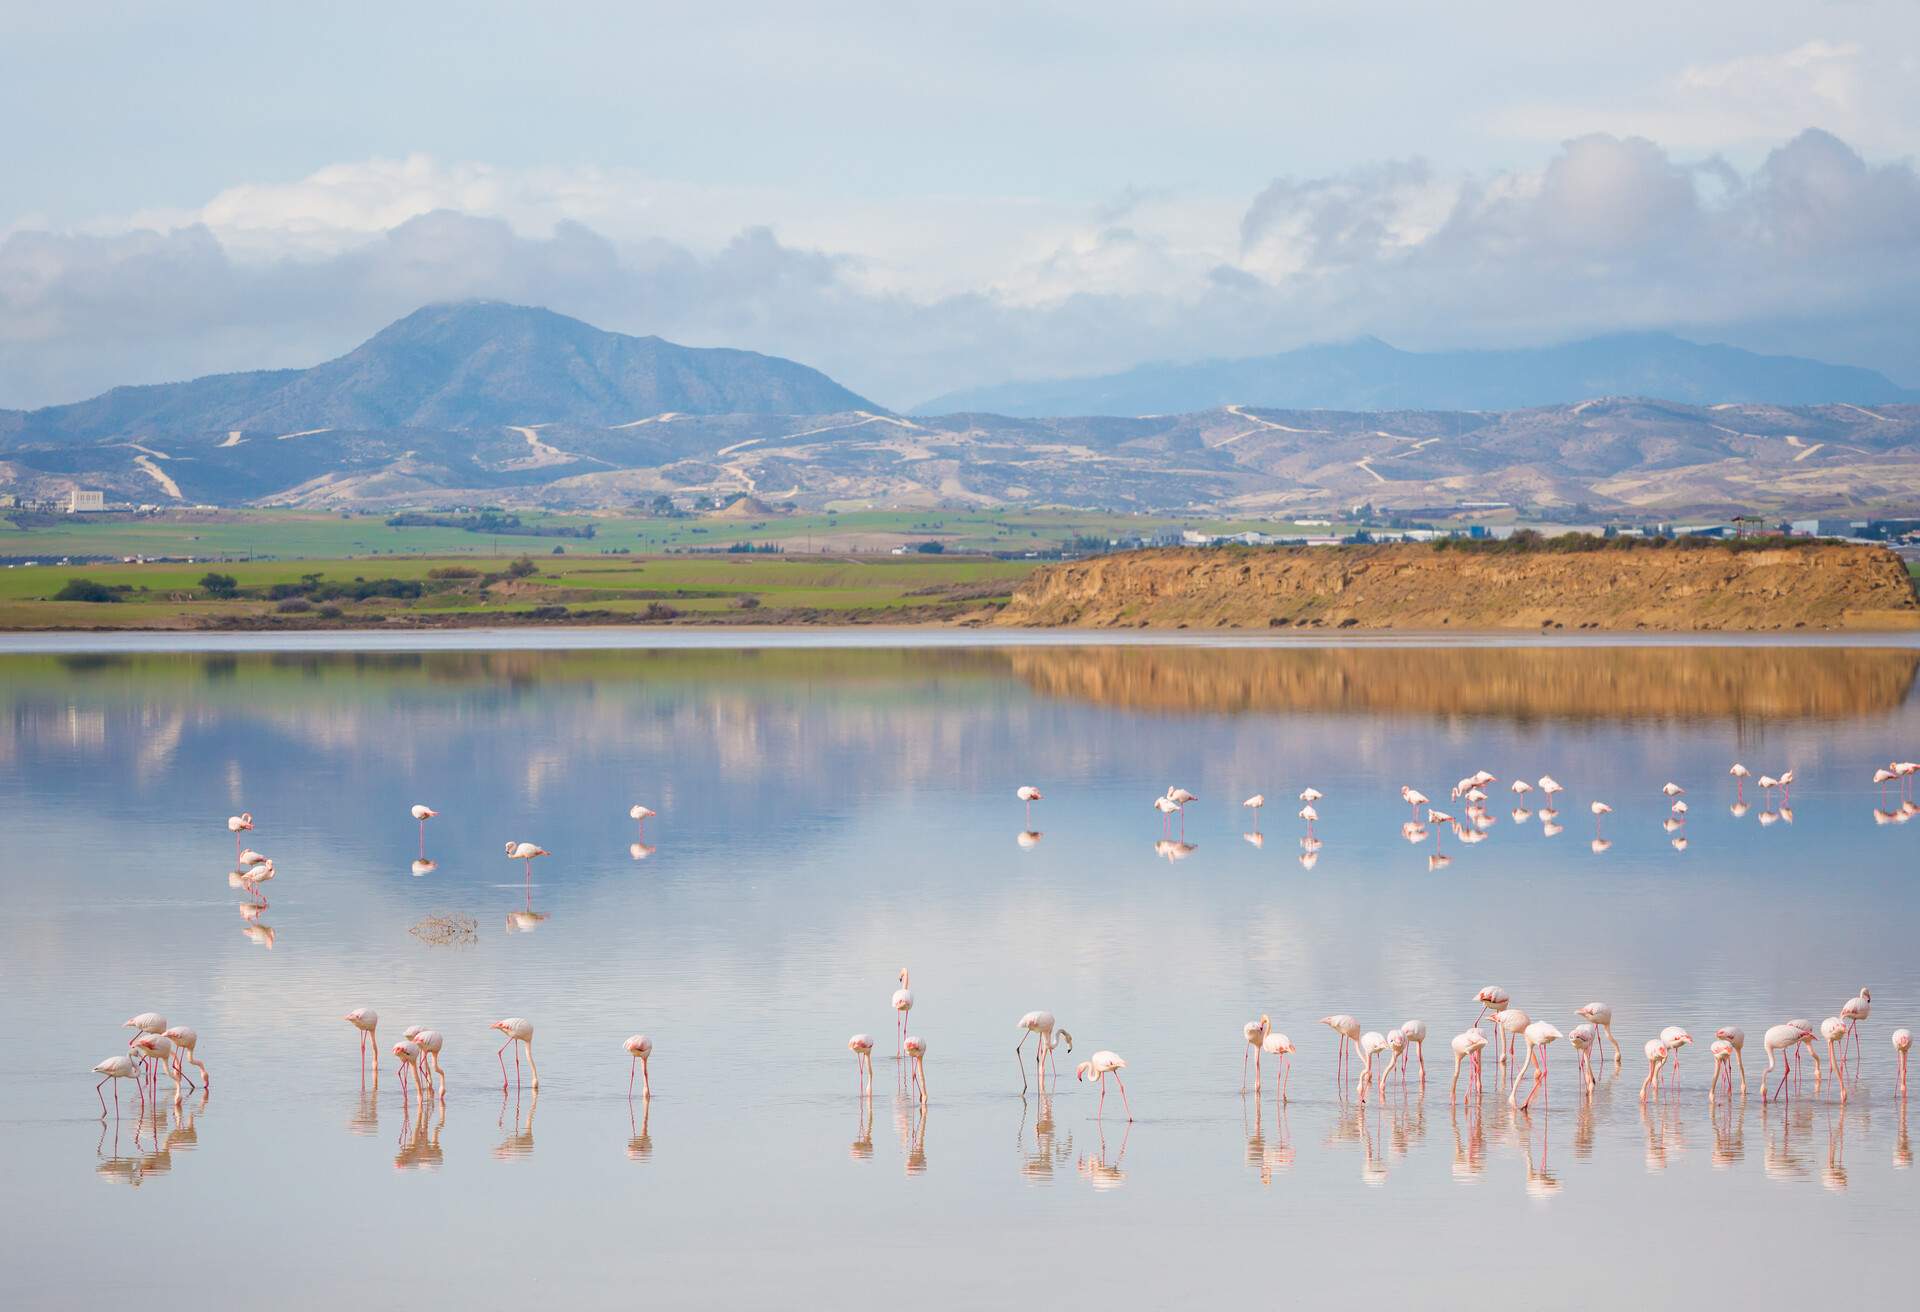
(522,568)
(657,611)
(547,613)
(329,612)
(294,606)
(453,572)
(930,548)
(220,585)
(86,590)
(746,603)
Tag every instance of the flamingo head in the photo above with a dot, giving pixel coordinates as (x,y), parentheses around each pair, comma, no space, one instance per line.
(1065,1038)
(903,977)
(1080,1071)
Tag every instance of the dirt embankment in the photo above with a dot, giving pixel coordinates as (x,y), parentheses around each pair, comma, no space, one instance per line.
(1693,589)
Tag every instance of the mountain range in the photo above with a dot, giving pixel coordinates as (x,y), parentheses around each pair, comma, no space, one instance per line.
(484,403)
(1368,374)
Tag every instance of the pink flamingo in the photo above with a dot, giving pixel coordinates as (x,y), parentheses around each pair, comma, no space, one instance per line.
(431,1042)
(185,1040)
(1310,815)
(640,814)
(1585,1038)
(1902,1040)
(519,1033)
(1673,1038)
(1736,1038)
(1722,1065)
(1349,1031)
(1416,1033)
(367,1021)
(917,1051)
(861,1045)
(1281,1047)
(423,814)
(902,1013)
(640,1047)
(1739,773)
(1167,807)
(1834,1030)
(1853,1011)
(236,825)
(1414,798)
(1781,1039)
(1514,1021)
(116,1069)
(1601,1014)
(1656,1055)
(410,1057)
(1028,794)
(1467,1047)
(526,852)
(1042,1023)
(1538,1036)
(1101,1065)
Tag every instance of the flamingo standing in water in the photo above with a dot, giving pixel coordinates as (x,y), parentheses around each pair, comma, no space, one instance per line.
(526,852)
(367,1021)
(1736,1038)
(1551,787)
(1538,1035)
(1166,806)
(185,1040)
(1673,1038)
(917,1050)
(1029,794)
(1599,809)
(1256,1034)
(1514,1021)
(1853,1011)
(1656,1056)
(1370,1044)
(1349,1031)
(1414,798)
(1467,1047)
(1099,1066)
(640,813)
(1492,998)
(1739,773)
(410,1057)
(423,813)
(1042,1024)
(860,1045)
(236,825)
(1902,1040)
(1672,789)
(1308,814)
(518,1032)
(1601,1014)
(121,1067)
(1722,1065)
(157,1049)
(902,1007)
(1782,1039)
(1585,1038)
(1834,1030)
(1396,1051)
(1281,1048)
(1416,1032)
(640,1047)
(431,1042)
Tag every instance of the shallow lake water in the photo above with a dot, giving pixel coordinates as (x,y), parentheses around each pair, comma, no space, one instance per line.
(829,815)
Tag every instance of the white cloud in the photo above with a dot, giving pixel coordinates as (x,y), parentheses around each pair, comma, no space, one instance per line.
(1814,250)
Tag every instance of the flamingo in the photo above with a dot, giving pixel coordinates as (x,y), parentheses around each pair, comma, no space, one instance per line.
(236,825)
(250,858)
(640,813)
(1311,794)
(121,1067)
(1308,814)
(423,813)
(1029,794)
(518,1031)
(431,1042)
(1656,1055)
(1254,804)
(1101,1065)
(1256,1034)
(367,1021)
(147,1022)
(1854,1010)
(1166,806)
(1680,809)
(1042,1024)
(1780,1039)
(1902,1040)
(1584,1038)
(184,1042)
(254,876)
(1722,1065)
(1736,1038)
(1672,789)
(1673,1038)
(1396,1049)
(526,852)
(860,1045)
(1739,773)
(1786,788)
(157,1049)
(1416,1032)
(640,1047)
(1282,1047)
(917,1050)
(1538,1035)
(1414,798)
(1514,1021)
(1601,1014)
(1181,796)
(1599,809)
(1834,1030)
(1349,1031)
(1370,1043)
(902,1007)
(1467,1046)
(410,1059)
(1520,788)
(1551,787)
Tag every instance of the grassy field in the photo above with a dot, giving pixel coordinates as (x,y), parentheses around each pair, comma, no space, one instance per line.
(307,535)
(570,588)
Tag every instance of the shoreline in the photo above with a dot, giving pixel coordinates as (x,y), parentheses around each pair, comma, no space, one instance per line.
(740,637)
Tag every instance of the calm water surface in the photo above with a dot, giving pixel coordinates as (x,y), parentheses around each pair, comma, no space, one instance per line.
(828,816)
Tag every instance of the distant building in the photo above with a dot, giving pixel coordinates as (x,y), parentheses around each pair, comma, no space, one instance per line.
(83,500)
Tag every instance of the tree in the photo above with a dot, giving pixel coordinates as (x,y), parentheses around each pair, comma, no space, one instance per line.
(220,585)
(85,590)
(522,567)
(930,548)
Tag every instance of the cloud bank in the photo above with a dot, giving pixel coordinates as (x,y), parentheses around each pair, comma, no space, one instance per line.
(1814,250)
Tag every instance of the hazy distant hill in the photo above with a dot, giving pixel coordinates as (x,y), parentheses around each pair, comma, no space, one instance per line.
(472,364)
(1368,374)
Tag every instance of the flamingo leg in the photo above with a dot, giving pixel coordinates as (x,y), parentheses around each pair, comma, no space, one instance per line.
(646,1081)
(103,1101)
(1020,1060)
(1123,1094)
(501,1054)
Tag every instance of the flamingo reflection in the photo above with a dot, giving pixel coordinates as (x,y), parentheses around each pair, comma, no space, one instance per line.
(1101,1173)
(639,1138)
(519,1138)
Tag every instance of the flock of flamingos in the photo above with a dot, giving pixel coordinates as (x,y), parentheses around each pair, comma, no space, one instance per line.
(158,1047)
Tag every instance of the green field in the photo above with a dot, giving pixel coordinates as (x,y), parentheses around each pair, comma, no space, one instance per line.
(575,587)
(307,535)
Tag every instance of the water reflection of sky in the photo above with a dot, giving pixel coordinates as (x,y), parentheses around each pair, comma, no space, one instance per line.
(829,816)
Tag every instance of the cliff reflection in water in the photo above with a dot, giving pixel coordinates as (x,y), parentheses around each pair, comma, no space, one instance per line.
(1613,683)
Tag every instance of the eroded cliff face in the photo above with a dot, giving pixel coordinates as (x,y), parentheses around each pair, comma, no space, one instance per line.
(1696,589)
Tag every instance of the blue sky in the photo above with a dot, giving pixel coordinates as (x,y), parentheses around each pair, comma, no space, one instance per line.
(922,197)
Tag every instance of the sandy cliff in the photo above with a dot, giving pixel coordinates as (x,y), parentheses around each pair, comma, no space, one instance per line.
(1420,588)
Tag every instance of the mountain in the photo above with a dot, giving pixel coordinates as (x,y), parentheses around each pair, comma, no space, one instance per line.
(1617,456)
(469,365)
(1368,374)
